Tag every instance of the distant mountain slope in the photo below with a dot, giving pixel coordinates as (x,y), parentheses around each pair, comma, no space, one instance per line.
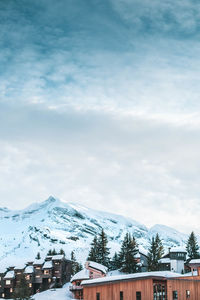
(55,224)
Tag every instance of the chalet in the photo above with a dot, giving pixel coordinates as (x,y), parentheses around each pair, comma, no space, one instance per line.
(92,270)
(159,285)
(9,284)
(174,260)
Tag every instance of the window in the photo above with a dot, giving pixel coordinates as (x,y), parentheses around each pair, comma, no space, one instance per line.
(3,295)
(175,295)
(49,280)
(138,296)
(37,276)
(46,272)
(30,285)
(187,294)
(27,277)
(98,296)
(8,282)
(11,290)
(121,295)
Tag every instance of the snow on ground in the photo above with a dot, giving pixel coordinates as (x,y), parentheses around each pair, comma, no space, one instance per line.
(54,294)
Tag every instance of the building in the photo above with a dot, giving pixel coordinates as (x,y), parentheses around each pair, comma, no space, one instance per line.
(41,275)
(92,270)
(174,260)
(161,285)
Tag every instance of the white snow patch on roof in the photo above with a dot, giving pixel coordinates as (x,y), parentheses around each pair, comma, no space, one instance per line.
(9,274)
(38,262)
(82,275)
(47,265)
(178,249)
(163,274)
(194,261)
(29,270)
(58,257)
(98,266)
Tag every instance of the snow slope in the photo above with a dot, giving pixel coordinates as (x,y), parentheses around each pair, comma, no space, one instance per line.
(56,224)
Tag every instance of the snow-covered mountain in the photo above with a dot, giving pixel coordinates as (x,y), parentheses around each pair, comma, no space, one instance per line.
(55,224)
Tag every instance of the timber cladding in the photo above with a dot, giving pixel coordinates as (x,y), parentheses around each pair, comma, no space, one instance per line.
(111,291)
(144,289)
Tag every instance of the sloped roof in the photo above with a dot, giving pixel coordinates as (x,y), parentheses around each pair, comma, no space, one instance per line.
(194,261)
(178,249)
(97,266)
(47,265)
(9,275)
(161,274)
(165,260)
(58,257)
(29,270)
(82,275)
(39,262)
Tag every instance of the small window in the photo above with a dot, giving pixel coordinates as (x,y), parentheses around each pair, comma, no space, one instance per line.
(121,295)
(187,294)
(8,282)
(98,296)
(175,295)
(138,296)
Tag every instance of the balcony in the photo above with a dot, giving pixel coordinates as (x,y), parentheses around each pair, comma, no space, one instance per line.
(75,288)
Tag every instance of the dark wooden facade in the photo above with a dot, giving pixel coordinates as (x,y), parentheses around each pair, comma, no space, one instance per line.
(40,276)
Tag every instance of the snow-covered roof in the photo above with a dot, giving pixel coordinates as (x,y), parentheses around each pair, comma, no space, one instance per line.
(47,265)
(97,266)
(9,274)
(38,262)
(164,260)
(20,266)
(82,275)
(194,261)
(115,273)
(58,257)
(162,274)
(178,249)
(29,270)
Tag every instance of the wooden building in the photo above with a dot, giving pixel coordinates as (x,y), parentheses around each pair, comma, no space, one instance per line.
(143,286)
(92,270)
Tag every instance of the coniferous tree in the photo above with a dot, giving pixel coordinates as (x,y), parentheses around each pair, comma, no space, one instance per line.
(22,291)
(76,267)
(62,252)
(127,254)
(38,256)
(115,263)
(103,250)
(54,252)
(159,247)
(155,253)
(49,252)
(192,246)
(93,254)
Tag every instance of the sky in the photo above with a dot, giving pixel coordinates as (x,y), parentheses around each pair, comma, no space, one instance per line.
(99,105)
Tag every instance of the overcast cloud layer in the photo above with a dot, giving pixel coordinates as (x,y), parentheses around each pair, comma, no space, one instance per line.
(99,104)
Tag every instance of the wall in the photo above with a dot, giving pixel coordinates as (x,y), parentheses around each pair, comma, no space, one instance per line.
(111,291)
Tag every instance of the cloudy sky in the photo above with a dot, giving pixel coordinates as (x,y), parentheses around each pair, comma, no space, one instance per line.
(99,104)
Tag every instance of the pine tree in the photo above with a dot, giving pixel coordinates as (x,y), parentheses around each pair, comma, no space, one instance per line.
(159,247)
(155,253)
(127,254)
(93,254)
(115,263)
(49,252)
(62,252)
(54,252)
(22,291)
(78,267)
(192,246)
(38,256)
(103,250)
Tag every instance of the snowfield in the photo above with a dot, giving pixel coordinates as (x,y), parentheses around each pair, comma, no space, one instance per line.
(55,224)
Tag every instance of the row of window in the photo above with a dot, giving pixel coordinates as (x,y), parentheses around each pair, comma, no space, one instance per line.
(121,295)
(157,296)
(175,295)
